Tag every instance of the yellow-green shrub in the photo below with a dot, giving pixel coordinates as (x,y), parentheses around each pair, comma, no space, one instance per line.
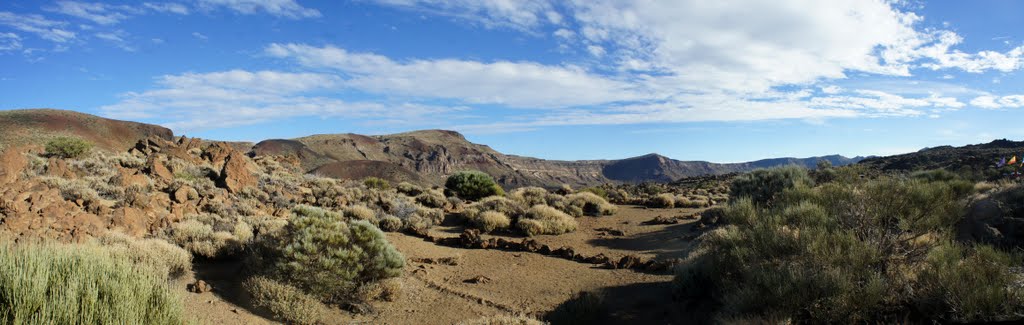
(82,284)
(545,220)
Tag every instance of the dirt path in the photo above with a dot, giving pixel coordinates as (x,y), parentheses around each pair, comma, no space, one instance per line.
(512,282)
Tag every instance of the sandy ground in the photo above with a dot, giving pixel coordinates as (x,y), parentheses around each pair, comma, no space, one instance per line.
(517,282)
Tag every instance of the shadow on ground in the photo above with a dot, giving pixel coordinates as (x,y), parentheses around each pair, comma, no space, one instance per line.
(640,303)
(226,279)
(675,241)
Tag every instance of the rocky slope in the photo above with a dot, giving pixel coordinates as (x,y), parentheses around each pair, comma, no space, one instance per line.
(37,126)
(978,158)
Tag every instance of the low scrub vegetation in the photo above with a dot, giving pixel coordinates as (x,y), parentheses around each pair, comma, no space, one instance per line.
(83,284)
(327,255)
(210,235)
(849,250)
(67,147)
(472,185)
(545,220)
(284,301)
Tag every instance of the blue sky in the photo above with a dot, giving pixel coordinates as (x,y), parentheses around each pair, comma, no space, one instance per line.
(722,81)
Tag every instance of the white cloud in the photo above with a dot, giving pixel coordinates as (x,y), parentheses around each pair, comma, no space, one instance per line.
(518,14)
(9,42)
(197,101)
(199,36)
(99,13)
(281,8)
(117,38)
(175,8)
(985,102)
(995,102)
(595,50)
(564,34)
(36,24)
(516,84)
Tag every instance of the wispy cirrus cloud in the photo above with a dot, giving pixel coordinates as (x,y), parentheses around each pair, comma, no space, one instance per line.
(280,8)
(52,30)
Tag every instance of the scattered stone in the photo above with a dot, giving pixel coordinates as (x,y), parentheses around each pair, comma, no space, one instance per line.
(199,286)
(480,279)
(661,220)
(450,260)
(610,232)
(470,238)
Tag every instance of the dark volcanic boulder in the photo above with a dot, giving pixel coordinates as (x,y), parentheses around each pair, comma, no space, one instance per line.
(997,219)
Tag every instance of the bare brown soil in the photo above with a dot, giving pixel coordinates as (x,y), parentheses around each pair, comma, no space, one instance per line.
(494,282)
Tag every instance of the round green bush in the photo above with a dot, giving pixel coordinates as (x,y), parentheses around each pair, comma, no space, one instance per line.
(473,185)
(330,257)
(66,147)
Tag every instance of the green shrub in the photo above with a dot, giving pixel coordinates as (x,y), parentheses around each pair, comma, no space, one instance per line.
(862,251)
(330,257)
(762,185)
(376,183)
(489,221)
(969,284)
(432,199)
(663,200)
(390,223)
(82,284)
(157,254)
(596,190)
(545,220)
(210,235)
(359,212)
(409,189)
(285,302)
(500,204)
(591,204)
(473,185)
(529,196)
(66,147)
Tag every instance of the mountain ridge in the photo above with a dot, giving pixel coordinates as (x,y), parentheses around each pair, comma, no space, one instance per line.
(426,156)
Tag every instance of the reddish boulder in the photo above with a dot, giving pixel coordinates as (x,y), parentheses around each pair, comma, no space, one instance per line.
(12,163)
(237,174)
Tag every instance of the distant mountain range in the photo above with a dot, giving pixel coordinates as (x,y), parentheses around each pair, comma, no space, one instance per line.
(427,156)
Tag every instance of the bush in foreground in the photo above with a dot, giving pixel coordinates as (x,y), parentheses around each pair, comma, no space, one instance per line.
(81,284)
(66,147)
(473,185)
(863,251)
(330,257)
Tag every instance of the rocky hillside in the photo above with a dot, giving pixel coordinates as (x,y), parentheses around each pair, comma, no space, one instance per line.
(976,158)
(425,157)
(37,126)
(435,154)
